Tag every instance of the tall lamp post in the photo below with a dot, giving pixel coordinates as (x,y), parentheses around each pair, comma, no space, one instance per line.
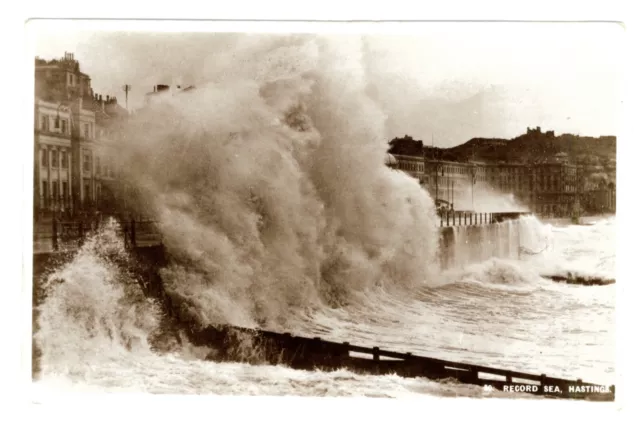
(438,170)
(473,182)
(126,89)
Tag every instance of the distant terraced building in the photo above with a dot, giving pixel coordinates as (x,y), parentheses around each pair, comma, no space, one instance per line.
(550,186)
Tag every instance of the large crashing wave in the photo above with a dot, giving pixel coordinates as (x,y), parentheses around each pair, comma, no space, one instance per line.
(270,188)
(93,305)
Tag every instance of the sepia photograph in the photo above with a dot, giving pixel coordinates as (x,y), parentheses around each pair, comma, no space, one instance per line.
(387,211)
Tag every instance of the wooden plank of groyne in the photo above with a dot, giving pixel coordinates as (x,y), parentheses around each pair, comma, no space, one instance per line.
(315,353)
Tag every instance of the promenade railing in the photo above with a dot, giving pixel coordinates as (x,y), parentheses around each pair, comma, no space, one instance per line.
(67,235)
(466,218)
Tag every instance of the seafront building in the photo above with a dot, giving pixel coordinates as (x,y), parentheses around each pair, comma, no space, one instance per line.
(554,187)
(73,165)
(75,170)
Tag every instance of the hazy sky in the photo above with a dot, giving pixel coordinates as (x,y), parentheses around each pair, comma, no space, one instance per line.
(450,81)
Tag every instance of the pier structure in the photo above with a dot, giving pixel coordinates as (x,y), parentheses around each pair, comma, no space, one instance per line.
(60,235)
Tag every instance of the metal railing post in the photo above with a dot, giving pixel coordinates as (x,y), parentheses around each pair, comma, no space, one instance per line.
(55,233)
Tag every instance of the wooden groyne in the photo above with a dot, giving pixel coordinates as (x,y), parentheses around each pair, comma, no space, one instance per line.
(315,353)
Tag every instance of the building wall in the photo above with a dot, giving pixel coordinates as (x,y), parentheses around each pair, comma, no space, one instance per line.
(73,155)
(413,166)
(84,162)
(53,159)
(61,79)
(448,180)
(546,188)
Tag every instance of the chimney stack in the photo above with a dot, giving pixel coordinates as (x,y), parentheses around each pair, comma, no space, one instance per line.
(107,99)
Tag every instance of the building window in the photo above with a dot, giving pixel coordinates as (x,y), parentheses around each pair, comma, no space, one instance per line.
(44,158)
(63,159)
(86,163)
(54,190)
(87,192)
(65,190)
(56,122)
(54,158)
(64,126)
(98,169)
(44,123)
(45,192)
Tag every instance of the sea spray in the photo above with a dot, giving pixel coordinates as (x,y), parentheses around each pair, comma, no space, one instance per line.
(271,190)
(535,326)
(93,307)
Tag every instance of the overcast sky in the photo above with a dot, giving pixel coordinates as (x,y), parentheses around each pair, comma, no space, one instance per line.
(449,82)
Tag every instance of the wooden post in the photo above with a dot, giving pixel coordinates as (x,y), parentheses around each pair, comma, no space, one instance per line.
(465,218)
(447,218)
(376,354)
(459,219)
(133,232)
(345,349)
(55,233)
(476,218)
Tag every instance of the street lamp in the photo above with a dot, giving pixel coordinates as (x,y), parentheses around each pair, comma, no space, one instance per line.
(438,170)
(126,88)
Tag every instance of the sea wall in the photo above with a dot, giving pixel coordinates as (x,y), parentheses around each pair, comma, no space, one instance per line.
(463,245)
(146,261)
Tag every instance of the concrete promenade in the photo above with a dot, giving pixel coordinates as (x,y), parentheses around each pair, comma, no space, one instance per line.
(50,236)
